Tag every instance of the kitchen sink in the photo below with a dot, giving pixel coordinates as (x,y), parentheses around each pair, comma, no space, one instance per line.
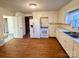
(73,34)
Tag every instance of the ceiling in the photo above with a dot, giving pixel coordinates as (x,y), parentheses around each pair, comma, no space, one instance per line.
(42,5)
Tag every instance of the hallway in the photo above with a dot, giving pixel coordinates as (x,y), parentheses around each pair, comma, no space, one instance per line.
(46,48)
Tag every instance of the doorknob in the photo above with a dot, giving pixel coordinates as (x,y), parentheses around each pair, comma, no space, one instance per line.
(31,26)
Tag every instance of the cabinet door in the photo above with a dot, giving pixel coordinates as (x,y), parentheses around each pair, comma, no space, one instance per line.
(52,33)
(76,50)
(69,47)
(59,36)
(68,43)
(64,41)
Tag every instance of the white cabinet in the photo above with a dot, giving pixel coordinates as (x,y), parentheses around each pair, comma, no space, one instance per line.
(66,42)
(76,50)
(52,33)
(59,36)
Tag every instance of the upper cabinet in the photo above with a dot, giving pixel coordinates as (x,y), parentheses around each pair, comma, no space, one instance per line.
(52,16)
(44,22)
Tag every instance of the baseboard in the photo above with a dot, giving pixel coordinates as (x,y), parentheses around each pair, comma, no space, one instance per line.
(44,38)
(53,37)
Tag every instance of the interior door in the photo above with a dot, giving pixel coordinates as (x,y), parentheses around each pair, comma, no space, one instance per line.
(31,28)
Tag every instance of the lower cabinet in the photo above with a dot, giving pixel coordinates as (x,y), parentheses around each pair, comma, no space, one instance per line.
(76,50)
(59,36)
(66,42)
(70,46)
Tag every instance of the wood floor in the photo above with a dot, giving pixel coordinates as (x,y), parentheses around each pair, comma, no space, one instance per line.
(32,48)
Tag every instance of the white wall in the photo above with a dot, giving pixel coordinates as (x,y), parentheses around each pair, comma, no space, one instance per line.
(3,12)
(12,25)
(28,14)
(52,18)
(21,24)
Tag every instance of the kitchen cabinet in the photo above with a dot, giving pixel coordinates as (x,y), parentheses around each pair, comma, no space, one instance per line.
(76,50)
(52,33)
(59,36)
(67,44)
(65,41)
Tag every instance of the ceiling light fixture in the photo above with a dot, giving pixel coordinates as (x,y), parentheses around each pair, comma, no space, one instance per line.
(32,5)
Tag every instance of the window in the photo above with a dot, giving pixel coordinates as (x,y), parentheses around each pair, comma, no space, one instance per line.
(72,18)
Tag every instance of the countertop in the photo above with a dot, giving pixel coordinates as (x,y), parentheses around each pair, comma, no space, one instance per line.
(75,39)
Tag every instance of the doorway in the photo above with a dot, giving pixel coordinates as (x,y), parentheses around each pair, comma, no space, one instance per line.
(27,29)
(27,26)
(5,25)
